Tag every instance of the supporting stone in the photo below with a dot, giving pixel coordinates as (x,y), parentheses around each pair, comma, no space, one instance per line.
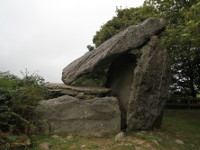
(98,116)
(149,89)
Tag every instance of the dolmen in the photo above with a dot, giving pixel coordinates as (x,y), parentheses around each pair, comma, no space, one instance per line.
(134,95)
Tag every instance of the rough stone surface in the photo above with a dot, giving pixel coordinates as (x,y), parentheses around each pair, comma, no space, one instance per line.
(129,39)
(75,90)
(97,116)
(44,146)
(120,137)
(69,138)
(120,78)
(55,137)
(83,146)
(149,89)
(179,142)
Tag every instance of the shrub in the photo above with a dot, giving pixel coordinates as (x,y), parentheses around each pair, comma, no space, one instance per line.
(18,98)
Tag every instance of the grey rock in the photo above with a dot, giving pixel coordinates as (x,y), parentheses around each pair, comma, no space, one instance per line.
(44,146)
(83,146)
(69,138)
(178,141)
(138,148)
(155,142)
(27,142)
(124,145)
(74,90)
(149,90)
(85,117)
(129,39)
(61,92)
(128,144)
(55,137)
(120,137)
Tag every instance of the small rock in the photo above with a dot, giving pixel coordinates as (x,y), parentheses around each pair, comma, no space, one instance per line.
(124,144)
(179,142)
(120,137)
(55,136)
(27,142)
(83,146)
(155,142)
(138,148)
(44,146)
(128,144)
(69,138)
(98,134)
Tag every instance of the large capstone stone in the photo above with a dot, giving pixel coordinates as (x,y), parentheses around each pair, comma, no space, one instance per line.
(98,116)
(133,37)
(149,88)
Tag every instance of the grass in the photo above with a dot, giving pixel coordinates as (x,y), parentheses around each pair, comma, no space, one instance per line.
(178,125)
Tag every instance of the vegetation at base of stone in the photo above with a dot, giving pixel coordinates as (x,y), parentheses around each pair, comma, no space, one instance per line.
(180,130)
(18,98)
(181,37)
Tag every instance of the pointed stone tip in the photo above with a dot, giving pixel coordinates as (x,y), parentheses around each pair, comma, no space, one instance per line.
(153,26)
(153,20)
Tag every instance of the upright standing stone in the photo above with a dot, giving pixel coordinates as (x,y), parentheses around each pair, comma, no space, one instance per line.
(149,89)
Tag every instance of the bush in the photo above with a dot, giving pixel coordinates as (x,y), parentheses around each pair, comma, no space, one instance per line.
(18,98)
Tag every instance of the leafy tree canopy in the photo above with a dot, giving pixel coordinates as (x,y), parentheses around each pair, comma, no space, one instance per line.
(181,39)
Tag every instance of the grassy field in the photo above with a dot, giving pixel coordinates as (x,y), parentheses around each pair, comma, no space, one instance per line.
(180,131)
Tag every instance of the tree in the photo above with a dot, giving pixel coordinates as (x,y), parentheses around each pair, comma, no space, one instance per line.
(182,41)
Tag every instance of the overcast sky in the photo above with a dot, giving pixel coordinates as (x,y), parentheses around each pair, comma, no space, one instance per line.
(46,35)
